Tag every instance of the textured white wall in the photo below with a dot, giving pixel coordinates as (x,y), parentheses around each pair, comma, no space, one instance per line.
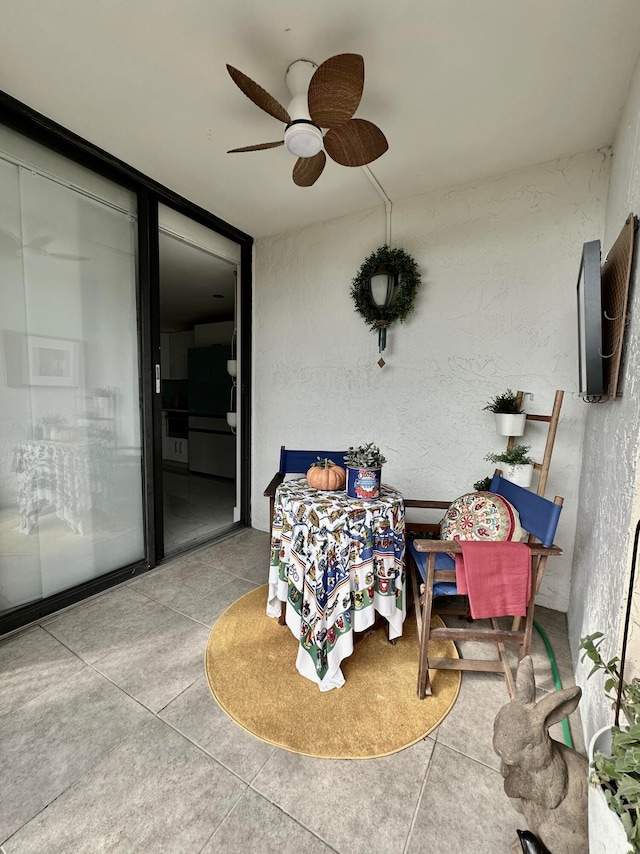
(609,505)
(497,308)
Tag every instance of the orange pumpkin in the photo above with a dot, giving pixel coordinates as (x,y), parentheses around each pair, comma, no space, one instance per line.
(325,474)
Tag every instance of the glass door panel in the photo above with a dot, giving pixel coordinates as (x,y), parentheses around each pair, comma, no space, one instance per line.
(197,278)
(70,441)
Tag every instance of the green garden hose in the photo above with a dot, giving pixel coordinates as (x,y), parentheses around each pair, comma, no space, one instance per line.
(556,680)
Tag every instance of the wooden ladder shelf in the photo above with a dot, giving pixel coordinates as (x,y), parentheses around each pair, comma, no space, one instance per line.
(552,421)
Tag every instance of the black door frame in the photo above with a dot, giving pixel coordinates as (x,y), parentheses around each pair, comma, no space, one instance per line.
(243,389)
(150,193)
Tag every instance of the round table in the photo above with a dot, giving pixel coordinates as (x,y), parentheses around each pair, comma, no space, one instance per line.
(336,561)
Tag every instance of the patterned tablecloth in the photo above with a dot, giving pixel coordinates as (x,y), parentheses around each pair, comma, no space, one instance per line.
(335,562)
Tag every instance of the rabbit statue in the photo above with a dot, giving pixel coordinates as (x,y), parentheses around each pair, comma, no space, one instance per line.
(546,780)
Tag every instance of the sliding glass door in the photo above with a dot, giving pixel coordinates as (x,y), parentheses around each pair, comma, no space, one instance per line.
(70,439)
(108,281)
(198,272)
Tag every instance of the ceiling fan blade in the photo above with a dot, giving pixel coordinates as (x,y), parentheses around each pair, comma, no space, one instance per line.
(308,169)
(336,89)
(355,143)
(9,243)
(260,147)
(39,243)
(260,97)
(65,257)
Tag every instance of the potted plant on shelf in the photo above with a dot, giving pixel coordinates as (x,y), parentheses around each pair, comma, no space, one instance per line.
(614,757)
(510,419)
(482,485)
(364,470)
(515,464)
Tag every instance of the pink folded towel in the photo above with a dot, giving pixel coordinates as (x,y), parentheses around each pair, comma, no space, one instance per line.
(496,576)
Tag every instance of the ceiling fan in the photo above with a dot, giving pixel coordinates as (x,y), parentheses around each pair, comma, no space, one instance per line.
(322,96)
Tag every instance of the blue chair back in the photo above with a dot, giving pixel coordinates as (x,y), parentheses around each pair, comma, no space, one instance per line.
(538,515)
(296,462)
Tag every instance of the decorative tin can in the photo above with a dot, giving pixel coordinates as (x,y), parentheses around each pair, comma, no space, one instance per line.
(363,483)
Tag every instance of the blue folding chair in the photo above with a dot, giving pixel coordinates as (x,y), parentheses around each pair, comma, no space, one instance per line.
(297,462)
(431,562)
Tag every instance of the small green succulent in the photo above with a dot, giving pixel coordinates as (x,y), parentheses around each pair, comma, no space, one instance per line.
(517,456)
(506,403)
(365,457)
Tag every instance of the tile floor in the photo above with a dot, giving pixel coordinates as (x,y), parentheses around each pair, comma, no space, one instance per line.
(110,740)
(196,506)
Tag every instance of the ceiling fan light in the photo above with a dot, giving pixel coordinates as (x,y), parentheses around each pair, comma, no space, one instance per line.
(303,139)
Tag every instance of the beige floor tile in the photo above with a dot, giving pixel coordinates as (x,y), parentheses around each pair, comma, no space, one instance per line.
(463,809)
(195,587)
(227,595)
(30,663)
(107,623)
(255,825)
(551,621)
(155,792)
(196,714)
(159,666)
(337,799)
(182,581)
(51,741)
(468,728)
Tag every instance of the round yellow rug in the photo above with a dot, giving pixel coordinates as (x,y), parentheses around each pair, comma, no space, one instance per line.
(250,665)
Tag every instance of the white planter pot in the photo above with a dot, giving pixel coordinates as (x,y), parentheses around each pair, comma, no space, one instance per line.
(606,833)
(520,475)
(508,424)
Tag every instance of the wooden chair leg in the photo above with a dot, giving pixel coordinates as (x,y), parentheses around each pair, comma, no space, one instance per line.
(504,660)
(417,603)
(424,684)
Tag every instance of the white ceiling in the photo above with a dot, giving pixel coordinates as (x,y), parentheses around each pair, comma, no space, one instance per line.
(195,285)
(463,89)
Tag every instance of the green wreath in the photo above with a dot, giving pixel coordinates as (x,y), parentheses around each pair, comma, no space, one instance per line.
(408,284)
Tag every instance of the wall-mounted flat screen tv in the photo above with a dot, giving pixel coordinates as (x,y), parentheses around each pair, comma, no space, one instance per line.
(590,358)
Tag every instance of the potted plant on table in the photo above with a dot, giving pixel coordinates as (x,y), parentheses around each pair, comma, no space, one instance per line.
(515,464)
(614,756)
(510,419)
(364,470)
(51,424)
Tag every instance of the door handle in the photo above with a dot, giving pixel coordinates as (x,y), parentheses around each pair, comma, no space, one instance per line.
(157,379)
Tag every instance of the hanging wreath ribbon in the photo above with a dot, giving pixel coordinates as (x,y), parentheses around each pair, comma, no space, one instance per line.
(379,318)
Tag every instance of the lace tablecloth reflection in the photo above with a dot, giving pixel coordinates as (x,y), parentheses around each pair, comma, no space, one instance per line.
(70,476)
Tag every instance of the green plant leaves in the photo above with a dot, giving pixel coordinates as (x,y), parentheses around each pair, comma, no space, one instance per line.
(619,772)
(506,403)
(365,456)
(517,456)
